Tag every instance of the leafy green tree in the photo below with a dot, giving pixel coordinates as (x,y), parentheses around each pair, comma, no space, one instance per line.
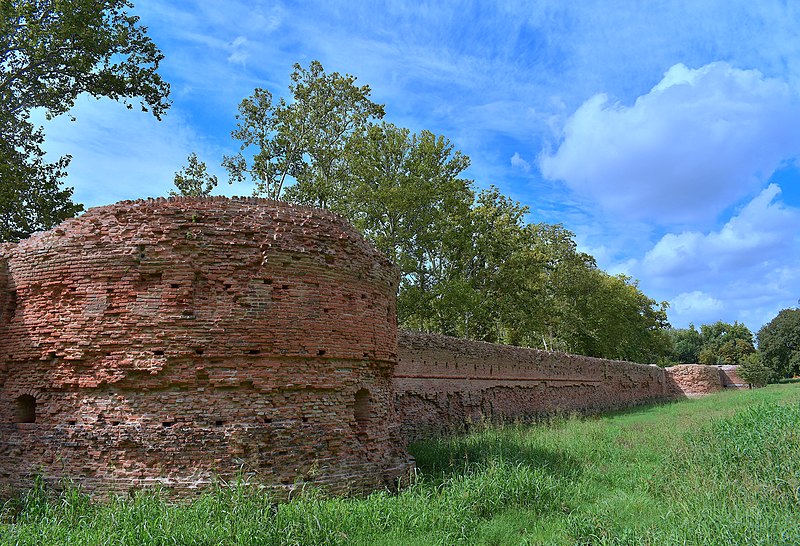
(51,52)
(725,343)
(754,371)
(686,345)
(302,140)
(405,194)
(31,196)
(779,344)
(194,179)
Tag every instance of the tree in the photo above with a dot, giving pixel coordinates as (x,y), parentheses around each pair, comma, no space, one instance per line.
(51,52)
(686,345)
(779,344)
(754,371)
(725,343)
(404,192)
(194,179)
(31,198)
(302,140)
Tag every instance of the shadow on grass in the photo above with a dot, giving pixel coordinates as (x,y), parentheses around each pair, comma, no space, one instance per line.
(441,459)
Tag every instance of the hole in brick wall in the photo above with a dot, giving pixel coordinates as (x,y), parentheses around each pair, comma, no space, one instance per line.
(321,352)
(158,353)
(305,419)
(326,310)
(26,409)
(174,285)
(361,408)
(167,424)
(267,281)
(199,351)
(219,423)
(363,296)
(267,420)
(71,423)
(285,286)
(366,355)
(254,352)
(12,305)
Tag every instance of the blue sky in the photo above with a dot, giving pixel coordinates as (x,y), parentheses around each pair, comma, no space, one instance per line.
(664,134)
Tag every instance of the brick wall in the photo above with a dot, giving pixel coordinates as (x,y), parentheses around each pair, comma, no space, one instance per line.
(170,341)
(175,341)
(694,379)
(729,375)
(443,384)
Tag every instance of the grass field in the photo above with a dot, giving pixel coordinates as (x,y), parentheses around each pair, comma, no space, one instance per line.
(724,469)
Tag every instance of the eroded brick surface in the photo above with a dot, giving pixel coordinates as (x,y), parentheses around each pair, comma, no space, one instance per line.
(178,341)
(444,384)
(172,341)
(693,379)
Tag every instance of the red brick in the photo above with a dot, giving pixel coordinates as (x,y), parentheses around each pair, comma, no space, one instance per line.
(174,341)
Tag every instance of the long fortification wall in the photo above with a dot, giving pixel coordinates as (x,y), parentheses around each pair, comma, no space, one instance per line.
(176,341)
(173,341)
(444,384)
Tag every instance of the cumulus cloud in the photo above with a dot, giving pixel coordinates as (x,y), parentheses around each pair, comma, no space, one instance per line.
(763,231)
(700,141)
(752,263)
(519,163)
(696,302)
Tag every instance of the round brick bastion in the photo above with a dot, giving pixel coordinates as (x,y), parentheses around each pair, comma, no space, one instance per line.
(176,341)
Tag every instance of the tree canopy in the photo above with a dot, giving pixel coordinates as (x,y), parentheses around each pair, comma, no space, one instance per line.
(716,343)
(194,179)
(52,51)
(470,263)
(779,344)
(301,140)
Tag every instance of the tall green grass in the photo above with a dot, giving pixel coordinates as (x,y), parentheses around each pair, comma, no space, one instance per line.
(724,469)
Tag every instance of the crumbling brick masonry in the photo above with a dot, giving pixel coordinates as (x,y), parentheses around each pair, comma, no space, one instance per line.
(172,341)
(444,384)
(176,341)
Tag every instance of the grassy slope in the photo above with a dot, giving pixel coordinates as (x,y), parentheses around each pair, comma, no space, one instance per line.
(723,469)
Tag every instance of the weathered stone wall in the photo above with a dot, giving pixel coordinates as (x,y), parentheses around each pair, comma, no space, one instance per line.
(693,379)
(170,341)
(444,384)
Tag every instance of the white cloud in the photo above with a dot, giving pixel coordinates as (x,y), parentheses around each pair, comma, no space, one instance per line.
(123,154)
(752,264)
(763,231)
(238,51)
(697,143)
(519,163)
(696,303)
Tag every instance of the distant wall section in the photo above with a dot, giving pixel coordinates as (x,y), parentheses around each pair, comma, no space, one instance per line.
(694,379)
(729,375)
(444,384)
